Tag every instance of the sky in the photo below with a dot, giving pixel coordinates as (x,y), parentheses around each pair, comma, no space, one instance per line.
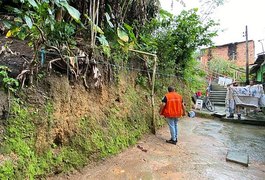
(233,17)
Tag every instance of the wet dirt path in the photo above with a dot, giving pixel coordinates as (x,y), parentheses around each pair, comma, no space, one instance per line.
(199,154)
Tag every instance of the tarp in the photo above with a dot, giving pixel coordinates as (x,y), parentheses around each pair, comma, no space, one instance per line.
(224,81)
(247,96)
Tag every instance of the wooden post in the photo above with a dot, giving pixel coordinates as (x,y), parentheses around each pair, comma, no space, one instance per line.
(153,122)
(247,62)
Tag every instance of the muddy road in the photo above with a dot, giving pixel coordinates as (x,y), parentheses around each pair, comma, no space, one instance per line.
(199,154)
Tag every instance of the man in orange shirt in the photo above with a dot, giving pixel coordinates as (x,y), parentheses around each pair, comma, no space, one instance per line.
(172,108)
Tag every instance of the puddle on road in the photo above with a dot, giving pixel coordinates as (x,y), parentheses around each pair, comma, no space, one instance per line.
(239,137)
(209,128)
(248,139)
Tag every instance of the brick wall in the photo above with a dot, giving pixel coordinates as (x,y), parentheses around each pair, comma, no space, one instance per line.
(235,52)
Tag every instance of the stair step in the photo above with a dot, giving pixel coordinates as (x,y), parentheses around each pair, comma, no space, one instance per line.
(221,93)
(214,102)
(218,92)
(218,87)
(217,96)
(219,103)
(217,100)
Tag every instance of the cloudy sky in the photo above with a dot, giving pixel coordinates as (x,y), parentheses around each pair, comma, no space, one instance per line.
(233,17)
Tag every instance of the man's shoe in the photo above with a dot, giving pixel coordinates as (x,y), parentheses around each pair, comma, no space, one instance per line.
(230,116)
(171,141)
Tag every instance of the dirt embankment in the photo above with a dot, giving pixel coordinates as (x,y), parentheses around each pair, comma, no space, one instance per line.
(72,122)
(70,101)
(13,54)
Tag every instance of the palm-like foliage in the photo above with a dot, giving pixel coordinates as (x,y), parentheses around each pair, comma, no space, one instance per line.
(121,11)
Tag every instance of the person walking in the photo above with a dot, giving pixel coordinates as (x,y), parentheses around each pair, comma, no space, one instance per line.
(230,99)
(172,108)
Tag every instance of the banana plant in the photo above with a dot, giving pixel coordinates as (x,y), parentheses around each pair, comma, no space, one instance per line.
(36,20)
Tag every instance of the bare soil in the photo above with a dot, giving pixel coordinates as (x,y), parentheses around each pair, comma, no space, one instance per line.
(199,154)
(15,55)
(71,101)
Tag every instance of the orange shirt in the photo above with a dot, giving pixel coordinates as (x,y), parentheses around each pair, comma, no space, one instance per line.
(173,107)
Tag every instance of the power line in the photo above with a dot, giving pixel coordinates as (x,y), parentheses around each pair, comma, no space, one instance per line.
(132,68)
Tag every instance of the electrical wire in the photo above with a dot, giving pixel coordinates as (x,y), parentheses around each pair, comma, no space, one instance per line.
(122,67)
(142,70)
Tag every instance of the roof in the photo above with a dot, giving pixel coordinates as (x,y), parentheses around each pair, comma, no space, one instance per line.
(260,59)
(227,44)
(257,63)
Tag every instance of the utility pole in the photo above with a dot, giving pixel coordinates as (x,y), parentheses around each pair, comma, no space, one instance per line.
(247,63)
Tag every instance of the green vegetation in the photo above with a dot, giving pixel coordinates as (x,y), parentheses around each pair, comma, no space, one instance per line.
(194,76)
(7,82)
(53,25)
(19,139)
(96,138)
(176,38)
(109,33)
(226,68)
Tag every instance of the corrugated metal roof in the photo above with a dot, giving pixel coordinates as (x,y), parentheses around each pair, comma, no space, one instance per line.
(257,63)
(260,59)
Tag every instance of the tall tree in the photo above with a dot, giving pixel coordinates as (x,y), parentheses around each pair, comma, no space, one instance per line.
(176,38)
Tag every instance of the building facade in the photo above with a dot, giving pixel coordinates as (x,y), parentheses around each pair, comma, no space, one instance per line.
(235,52)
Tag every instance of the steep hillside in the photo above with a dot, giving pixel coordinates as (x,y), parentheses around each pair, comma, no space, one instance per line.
(61,123)
(62,126)
(56,124)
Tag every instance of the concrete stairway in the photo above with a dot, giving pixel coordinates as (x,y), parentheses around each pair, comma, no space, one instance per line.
(218,94)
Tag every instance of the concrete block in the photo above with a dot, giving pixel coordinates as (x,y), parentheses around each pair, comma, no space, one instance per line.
(219,114)
(238,157)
